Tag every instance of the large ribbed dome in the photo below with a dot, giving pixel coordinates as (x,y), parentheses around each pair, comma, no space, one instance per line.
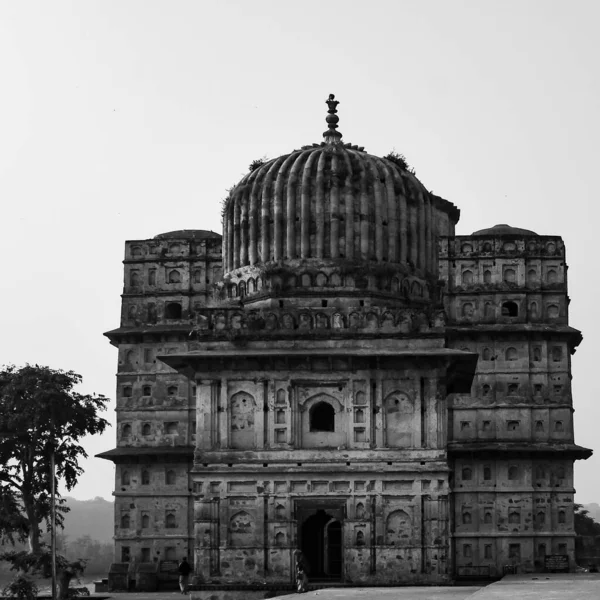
(333,201)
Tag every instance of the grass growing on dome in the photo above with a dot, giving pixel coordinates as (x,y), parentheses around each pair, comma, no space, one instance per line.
(256,164)
(400,160)
(226,201)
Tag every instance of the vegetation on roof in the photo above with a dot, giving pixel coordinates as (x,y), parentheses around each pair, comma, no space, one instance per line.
(256,164)
(400,160)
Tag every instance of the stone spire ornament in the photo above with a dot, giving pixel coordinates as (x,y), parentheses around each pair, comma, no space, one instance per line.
(331,135)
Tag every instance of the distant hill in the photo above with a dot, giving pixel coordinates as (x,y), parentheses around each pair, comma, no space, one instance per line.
(90,517)
(594,511)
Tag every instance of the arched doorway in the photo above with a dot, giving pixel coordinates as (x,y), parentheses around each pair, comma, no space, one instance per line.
(321,544)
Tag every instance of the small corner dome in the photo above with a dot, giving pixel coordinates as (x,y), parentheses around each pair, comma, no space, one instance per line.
(504,230)
(188,234)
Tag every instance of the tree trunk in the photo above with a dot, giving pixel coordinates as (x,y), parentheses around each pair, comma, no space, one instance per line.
(63,578)
(33,537)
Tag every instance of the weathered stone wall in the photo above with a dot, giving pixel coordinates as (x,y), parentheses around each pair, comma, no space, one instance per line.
(165,280)
(261,469)
(421,482)
(513,492)
(482,274)
(394,530)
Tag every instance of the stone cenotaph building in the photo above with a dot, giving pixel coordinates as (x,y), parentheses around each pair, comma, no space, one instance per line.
(340,374)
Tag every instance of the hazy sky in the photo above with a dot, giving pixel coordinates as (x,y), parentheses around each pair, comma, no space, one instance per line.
(123,119)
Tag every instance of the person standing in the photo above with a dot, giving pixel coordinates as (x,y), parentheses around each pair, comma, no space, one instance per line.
(184,569)
(301,575)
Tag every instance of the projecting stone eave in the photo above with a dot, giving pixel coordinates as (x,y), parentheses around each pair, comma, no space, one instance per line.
(460,365)
(520,449)
(405,460)
(574,336)
(118,335)
(141,453)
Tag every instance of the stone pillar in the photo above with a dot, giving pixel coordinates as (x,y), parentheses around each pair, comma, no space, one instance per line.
(418,415)
(435,421)
(204,402)
(206,539)
(376,404)
(260,416)
(223,415)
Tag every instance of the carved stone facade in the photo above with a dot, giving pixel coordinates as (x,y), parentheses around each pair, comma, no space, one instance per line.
(512,439)
(165,279)
(353,381)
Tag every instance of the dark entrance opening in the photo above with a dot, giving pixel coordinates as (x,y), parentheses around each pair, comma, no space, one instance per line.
(321,544)
(322,417)
(510,309)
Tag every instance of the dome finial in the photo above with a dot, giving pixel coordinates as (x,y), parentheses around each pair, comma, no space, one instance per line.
(331,135)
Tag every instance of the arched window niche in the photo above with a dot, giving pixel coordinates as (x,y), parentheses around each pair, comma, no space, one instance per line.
(398,414)
(510,309)
(322,417)
(173,310)
(242,414)
(323,422)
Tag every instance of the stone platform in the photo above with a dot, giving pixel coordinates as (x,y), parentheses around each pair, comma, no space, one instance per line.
(540,586)
(580,586)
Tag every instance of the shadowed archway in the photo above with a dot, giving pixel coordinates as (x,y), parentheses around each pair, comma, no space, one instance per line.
(321,544)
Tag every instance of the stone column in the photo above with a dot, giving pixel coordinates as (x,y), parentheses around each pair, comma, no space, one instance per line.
(376,404)
(418,415)
(434,420)
(204,429)
(259,416)
(206,539)
(223,415)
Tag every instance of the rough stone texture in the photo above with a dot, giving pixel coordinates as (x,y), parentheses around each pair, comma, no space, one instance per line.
(328,393)
(155,405)
(512,443)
